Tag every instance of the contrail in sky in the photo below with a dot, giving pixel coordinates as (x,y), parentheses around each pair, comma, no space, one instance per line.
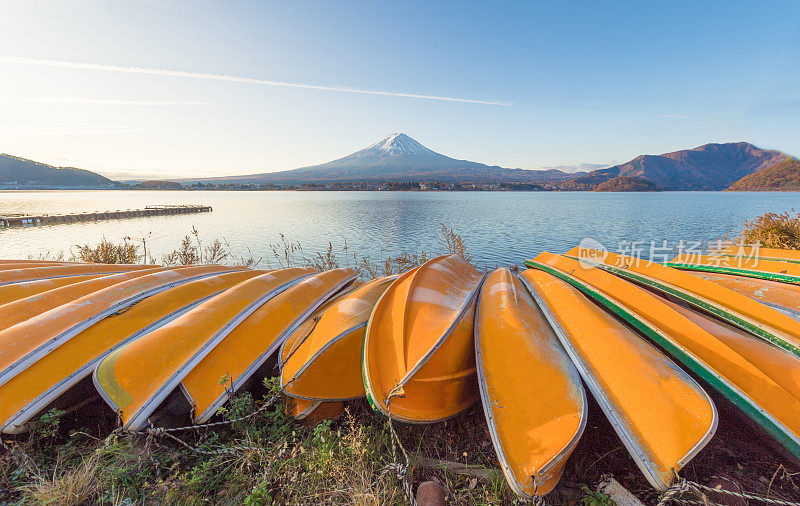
(235,79)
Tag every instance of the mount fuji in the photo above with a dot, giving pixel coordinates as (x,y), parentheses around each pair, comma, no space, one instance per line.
(398,157)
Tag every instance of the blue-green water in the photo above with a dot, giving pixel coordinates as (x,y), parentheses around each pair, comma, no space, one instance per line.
(499,228)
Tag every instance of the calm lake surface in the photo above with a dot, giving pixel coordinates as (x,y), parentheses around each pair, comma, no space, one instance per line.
(501,228)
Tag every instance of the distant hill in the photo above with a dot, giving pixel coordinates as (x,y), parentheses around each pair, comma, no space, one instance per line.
(398,157)
(627,184)
(592,179)
(15,171)
(782,176)
(581,168)
(707,167)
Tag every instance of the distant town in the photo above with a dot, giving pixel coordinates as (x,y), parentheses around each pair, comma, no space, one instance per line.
(570,185)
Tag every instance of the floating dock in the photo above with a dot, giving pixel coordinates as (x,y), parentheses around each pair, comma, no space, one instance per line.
(11,220)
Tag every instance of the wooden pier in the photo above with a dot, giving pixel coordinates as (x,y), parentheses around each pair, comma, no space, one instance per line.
(11,220)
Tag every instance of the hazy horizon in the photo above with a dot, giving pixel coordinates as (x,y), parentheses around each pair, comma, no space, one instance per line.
(202,90)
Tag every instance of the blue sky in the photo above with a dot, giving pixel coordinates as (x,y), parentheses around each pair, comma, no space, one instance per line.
(569,83)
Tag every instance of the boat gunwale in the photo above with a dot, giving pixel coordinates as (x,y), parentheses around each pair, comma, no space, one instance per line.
(643,462)
(791,313)
(51,344)
(65,383)
(205,348)
(78,264)
(788,311)
(558,458)
(461,312)
(259,361)
(750,273)
(732,393)
(767,257)
(101,392)
(309,409)
(7,283)
(391,279)
(310,361)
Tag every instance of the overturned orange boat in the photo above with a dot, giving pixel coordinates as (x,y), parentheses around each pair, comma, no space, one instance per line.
(532,395)
(419,361)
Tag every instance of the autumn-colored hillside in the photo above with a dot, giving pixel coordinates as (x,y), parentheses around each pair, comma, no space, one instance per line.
(782,176)
(627,184)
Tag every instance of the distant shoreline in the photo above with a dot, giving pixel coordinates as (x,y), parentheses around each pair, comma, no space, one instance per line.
(332,189)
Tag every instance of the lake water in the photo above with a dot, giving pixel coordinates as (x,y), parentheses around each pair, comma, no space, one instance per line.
(501,228)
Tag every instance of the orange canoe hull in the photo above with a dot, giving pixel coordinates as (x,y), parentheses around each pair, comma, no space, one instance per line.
(418,347)
(532,395)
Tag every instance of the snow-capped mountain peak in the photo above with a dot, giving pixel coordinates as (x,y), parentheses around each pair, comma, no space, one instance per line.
(399,144)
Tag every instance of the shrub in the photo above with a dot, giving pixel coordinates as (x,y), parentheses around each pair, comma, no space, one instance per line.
(773,230)
(107,252)
(193,251)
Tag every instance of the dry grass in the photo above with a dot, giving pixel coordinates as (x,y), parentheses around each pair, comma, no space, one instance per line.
(290,254)
(107,252)
(281,462)
(66,485)
(193,250)
(772,230)
(452,243)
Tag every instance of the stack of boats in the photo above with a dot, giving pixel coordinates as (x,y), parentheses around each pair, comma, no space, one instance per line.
(648,341)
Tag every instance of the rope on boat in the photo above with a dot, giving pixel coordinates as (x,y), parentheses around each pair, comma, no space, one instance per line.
(536,499)
(680,488)
(683,486)
(300,342)
(400,469)
(153,432)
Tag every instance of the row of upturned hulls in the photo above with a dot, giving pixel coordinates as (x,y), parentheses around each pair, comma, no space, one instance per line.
(648,341)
